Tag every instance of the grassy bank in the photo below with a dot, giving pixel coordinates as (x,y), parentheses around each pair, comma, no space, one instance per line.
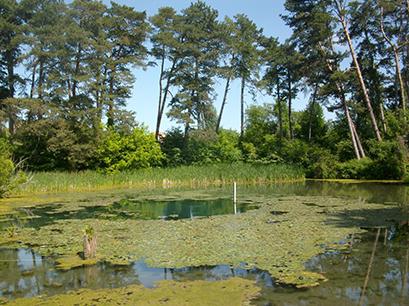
(190,176)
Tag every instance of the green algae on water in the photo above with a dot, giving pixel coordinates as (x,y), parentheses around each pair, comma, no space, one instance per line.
(234,291)
(278,243)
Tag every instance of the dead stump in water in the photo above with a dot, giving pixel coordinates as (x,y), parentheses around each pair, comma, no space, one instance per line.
(90,243)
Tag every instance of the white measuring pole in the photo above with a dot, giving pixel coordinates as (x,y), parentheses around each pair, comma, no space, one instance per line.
(235,197)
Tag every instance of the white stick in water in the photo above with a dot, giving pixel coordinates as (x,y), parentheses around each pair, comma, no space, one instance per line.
(235,197)
(235,192)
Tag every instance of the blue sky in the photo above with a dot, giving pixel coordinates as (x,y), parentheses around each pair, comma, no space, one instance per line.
(265,13)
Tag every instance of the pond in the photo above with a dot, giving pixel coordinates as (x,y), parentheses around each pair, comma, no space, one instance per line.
(371,269)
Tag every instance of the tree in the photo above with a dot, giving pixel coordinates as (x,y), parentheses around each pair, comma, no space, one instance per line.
(11,43)
(393,37)
(313,127)
(194,73)
(166,41)
(273,78)
(314,30)
(227,60)
(339,7)
(245,40)
(126,30)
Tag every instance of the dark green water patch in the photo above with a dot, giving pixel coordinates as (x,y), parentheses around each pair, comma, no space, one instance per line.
(127,209)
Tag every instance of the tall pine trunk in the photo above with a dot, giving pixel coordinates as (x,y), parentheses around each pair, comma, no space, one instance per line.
(40,79)
(110,113)
(314,96)
(226,91)
(290,98)
(163,94)
(77,70)
(280,109)
(243,84)
(11,89)
(159,114)
(341,16)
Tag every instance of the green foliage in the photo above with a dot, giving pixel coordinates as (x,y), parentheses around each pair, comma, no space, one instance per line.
(50,144)
(388,160)
(259,122)
(354,169)
(10,177)
(226,148)
(201,147)
(173,145)
(312,123)
(137,150)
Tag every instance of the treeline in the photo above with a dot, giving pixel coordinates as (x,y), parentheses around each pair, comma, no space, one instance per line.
(66,73)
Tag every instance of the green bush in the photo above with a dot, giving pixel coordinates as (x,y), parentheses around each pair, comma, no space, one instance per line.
(136,150)
(388,160)
(354,169)
(10,177)
(226,148)
(322,164)
(201,147)
(385,161)
(173,146)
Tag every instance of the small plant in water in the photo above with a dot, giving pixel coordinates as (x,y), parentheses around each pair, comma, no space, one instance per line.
(11,230)
(90,242)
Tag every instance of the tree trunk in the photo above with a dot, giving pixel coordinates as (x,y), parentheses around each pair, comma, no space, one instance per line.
(358,141)
(400,80)
(243,85)
(30,114)
(280,109)
(77,70)
(163,95)
(110,113)
(358,70)
(382,117)
(351,126)
(226,91)
(314,95)
(159,115)
(40,79)
(290,98)
(33,78)
(10,81)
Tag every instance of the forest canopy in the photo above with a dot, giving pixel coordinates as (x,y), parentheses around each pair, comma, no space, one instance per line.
(67,71)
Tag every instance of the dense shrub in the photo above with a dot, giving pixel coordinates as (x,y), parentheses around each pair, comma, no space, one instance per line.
(51,144)
(226,148)
(201,147)
(10,177)
(136,150)
(173,146)
(388,160)
(354,169)
(321,164)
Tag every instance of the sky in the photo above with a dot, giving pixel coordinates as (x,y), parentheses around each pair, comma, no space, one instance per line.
(265,13)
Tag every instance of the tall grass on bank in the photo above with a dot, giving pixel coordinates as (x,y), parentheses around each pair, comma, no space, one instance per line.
(185,176)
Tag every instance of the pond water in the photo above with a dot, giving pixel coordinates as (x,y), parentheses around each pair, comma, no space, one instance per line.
(372,271)
(129,209)
(23,274)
